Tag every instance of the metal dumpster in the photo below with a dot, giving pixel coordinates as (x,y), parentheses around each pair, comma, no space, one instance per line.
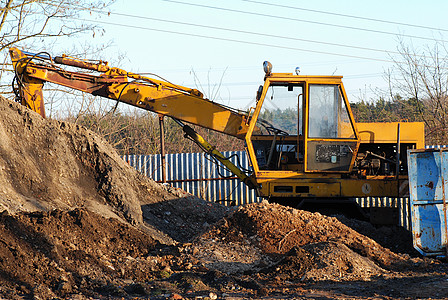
(428,187)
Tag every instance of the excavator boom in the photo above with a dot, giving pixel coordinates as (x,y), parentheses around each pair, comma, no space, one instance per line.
(151,94)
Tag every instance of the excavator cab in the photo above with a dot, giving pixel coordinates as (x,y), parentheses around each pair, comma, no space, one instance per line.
(305,125)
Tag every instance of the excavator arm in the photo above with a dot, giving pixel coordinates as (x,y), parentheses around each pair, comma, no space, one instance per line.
(181,103)
(163,97)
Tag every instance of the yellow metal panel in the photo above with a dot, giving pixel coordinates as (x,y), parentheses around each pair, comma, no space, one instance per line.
(369,188)
(317,79)
(32,96)
(331,187)
(410,132)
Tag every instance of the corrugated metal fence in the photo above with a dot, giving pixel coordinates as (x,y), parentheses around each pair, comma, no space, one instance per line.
(198,175)
(401,203)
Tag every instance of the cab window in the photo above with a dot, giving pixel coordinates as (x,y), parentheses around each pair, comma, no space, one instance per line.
(328,114)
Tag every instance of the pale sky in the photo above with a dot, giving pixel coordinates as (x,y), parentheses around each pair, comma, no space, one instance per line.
(224,43)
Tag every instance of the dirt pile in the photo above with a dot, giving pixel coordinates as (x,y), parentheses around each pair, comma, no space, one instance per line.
(184,217)
(68,200)
(260,233)
(47,164)
(322,261)
(70,252)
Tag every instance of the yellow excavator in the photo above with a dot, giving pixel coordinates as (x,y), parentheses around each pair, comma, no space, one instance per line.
(306,147)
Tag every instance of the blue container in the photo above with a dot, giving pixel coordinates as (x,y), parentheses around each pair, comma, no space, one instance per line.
(428,187)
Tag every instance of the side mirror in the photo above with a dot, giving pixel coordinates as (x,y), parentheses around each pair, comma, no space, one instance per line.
(259,92)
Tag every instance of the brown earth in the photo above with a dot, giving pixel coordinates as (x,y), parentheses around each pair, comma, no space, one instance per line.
(79,223)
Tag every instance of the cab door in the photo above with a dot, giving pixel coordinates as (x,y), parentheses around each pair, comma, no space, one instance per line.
(331,141)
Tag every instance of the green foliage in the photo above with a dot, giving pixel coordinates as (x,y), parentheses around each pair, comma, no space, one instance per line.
(284,119)
(411,110)
(388,111)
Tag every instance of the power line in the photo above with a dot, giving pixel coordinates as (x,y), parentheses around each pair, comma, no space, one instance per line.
(253,33)
(235,40)
(243,31)
(347,16)
(246,42)
(238,41)
(304,21)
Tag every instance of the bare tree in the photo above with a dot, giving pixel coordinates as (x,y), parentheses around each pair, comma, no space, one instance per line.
(34,20)
(41,25)
(422,75)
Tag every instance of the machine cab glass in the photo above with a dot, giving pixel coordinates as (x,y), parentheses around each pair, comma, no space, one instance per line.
(280,125)
(328,115)
(331,138)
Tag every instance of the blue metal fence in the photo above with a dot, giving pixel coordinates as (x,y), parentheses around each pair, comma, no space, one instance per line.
(198,175)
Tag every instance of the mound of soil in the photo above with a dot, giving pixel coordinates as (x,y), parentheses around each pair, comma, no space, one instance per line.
(182,218)
(323,261)
(275,229)
(70,252)
(48,164)
(311,253)
(73,209)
